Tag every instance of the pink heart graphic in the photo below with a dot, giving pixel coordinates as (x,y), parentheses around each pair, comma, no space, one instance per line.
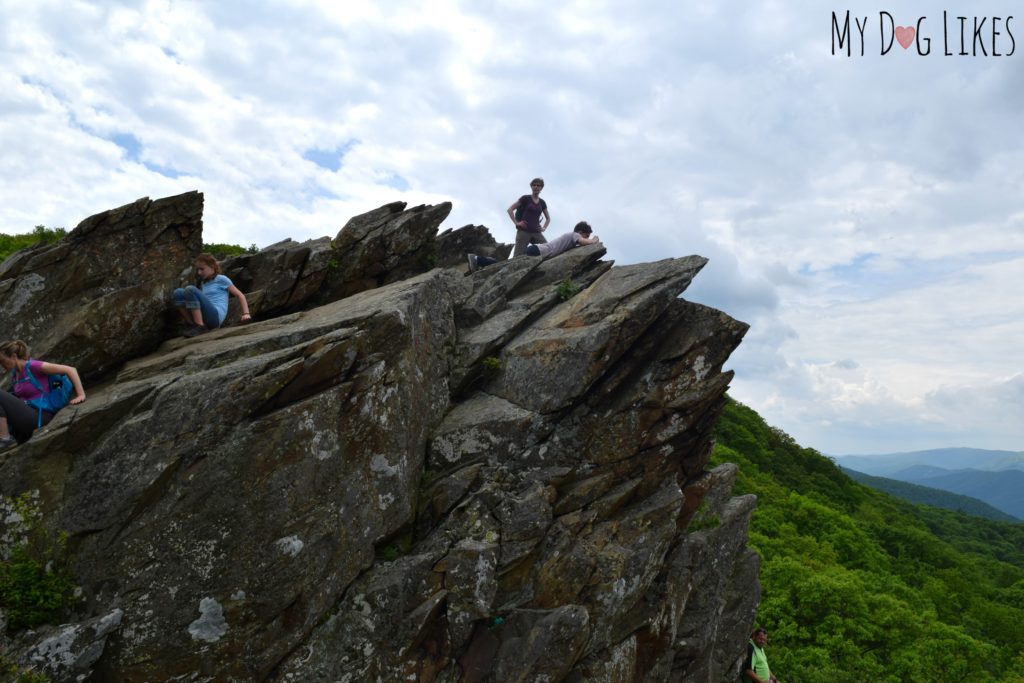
(905,35)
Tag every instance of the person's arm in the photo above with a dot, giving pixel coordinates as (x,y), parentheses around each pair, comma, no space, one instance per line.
(547,219)
(235,291)
(589,240)
(72,373)
(512,215)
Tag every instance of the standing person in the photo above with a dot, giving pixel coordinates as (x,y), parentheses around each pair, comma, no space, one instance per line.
(528,226)
(206,306)
(30,380)
(580,235)
(756,665)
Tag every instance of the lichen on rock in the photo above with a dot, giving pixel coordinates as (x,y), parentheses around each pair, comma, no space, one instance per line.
(210,626)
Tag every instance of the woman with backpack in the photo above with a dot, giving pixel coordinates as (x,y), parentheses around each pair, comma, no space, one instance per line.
(38,391)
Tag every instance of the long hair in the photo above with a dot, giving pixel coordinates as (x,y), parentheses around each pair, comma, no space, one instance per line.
(15,349)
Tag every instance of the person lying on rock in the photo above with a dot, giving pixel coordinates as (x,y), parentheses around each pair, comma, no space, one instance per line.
(38,391)
(580,236)
(205,307)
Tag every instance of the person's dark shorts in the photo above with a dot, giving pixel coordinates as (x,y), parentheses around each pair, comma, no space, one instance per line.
(532,250)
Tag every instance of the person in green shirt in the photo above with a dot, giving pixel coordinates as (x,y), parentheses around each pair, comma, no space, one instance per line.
(756,667)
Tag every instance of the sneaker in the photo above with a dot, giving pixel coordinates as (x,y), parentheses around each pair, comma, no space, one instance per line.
(6,442)
(471,258)
(194,331)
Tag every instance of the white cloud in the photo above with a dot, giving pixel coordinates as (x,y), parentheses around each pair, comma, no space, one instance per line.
(861,214)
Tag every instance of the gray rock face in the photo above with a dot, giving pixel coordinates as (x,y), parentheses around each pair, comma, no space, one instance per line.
(453,245)
(97,297)
(72,650)
(383,246)
(446,477)
(280,277)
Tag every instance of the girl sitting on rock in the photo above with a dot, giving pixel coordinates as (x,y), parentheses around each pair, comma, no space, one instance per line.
(30,381)
(206,306)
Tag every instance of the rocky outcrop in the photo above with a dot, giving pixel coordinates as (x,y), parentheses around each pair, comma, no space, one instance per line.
(445,477)
(98,297)
(285,276)
(383,246)
(278,278)
(453,245)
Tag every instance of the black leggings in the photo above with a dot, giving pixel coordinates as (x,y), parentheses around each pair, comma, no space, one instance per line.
(21,417)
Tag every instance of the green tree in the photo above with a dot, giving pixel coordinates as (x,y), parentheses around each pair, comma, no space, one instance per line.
(223,251)
(40,234)
(858,585)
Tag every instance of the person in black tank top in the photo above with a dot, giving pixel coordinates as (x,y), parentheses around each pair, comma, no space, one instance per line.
(526,213)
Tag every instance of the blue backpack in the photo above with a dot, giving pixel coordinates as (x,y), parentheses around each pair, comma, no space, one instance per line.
(55,396)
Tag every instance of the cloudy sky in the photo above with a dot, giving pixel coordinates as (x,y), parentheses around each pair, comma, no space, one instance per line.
(862,213)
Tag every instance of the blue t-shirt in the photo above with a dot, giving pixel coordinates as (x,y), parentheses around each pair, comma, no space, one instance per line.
(216,292)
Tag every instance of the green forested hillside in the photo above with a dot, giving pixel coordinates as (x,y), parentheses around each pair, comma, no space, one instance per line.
(860,586)
(915,493)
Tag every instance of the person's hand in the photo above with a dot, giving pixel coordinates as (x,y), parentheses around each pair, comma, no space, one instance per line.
(77,399)
(520,224)
(246,317)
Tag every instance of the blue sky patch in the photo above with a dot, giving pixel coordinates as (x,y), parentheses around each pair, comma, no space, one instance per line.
(167,171)
(398,182)
(129,143)
(133,152)
(329,158)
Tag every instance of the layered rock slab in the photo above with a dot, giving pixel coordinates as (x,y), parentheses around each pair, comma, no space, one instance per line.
(382,246)
(387,244)
(225,492)
(552,543)
(340,494)
(97,297)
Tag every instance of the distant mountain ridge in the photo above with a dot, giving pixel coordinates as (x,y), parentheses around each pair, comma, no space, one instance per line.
(927,495)
(885,464)
(993,477)
(1001,489)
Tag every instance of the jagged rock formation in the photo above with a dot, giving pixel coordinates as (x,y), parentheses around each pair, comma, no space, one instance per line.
(437,477)
(453,245)
(383,246)
(280,277)
(97,297)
